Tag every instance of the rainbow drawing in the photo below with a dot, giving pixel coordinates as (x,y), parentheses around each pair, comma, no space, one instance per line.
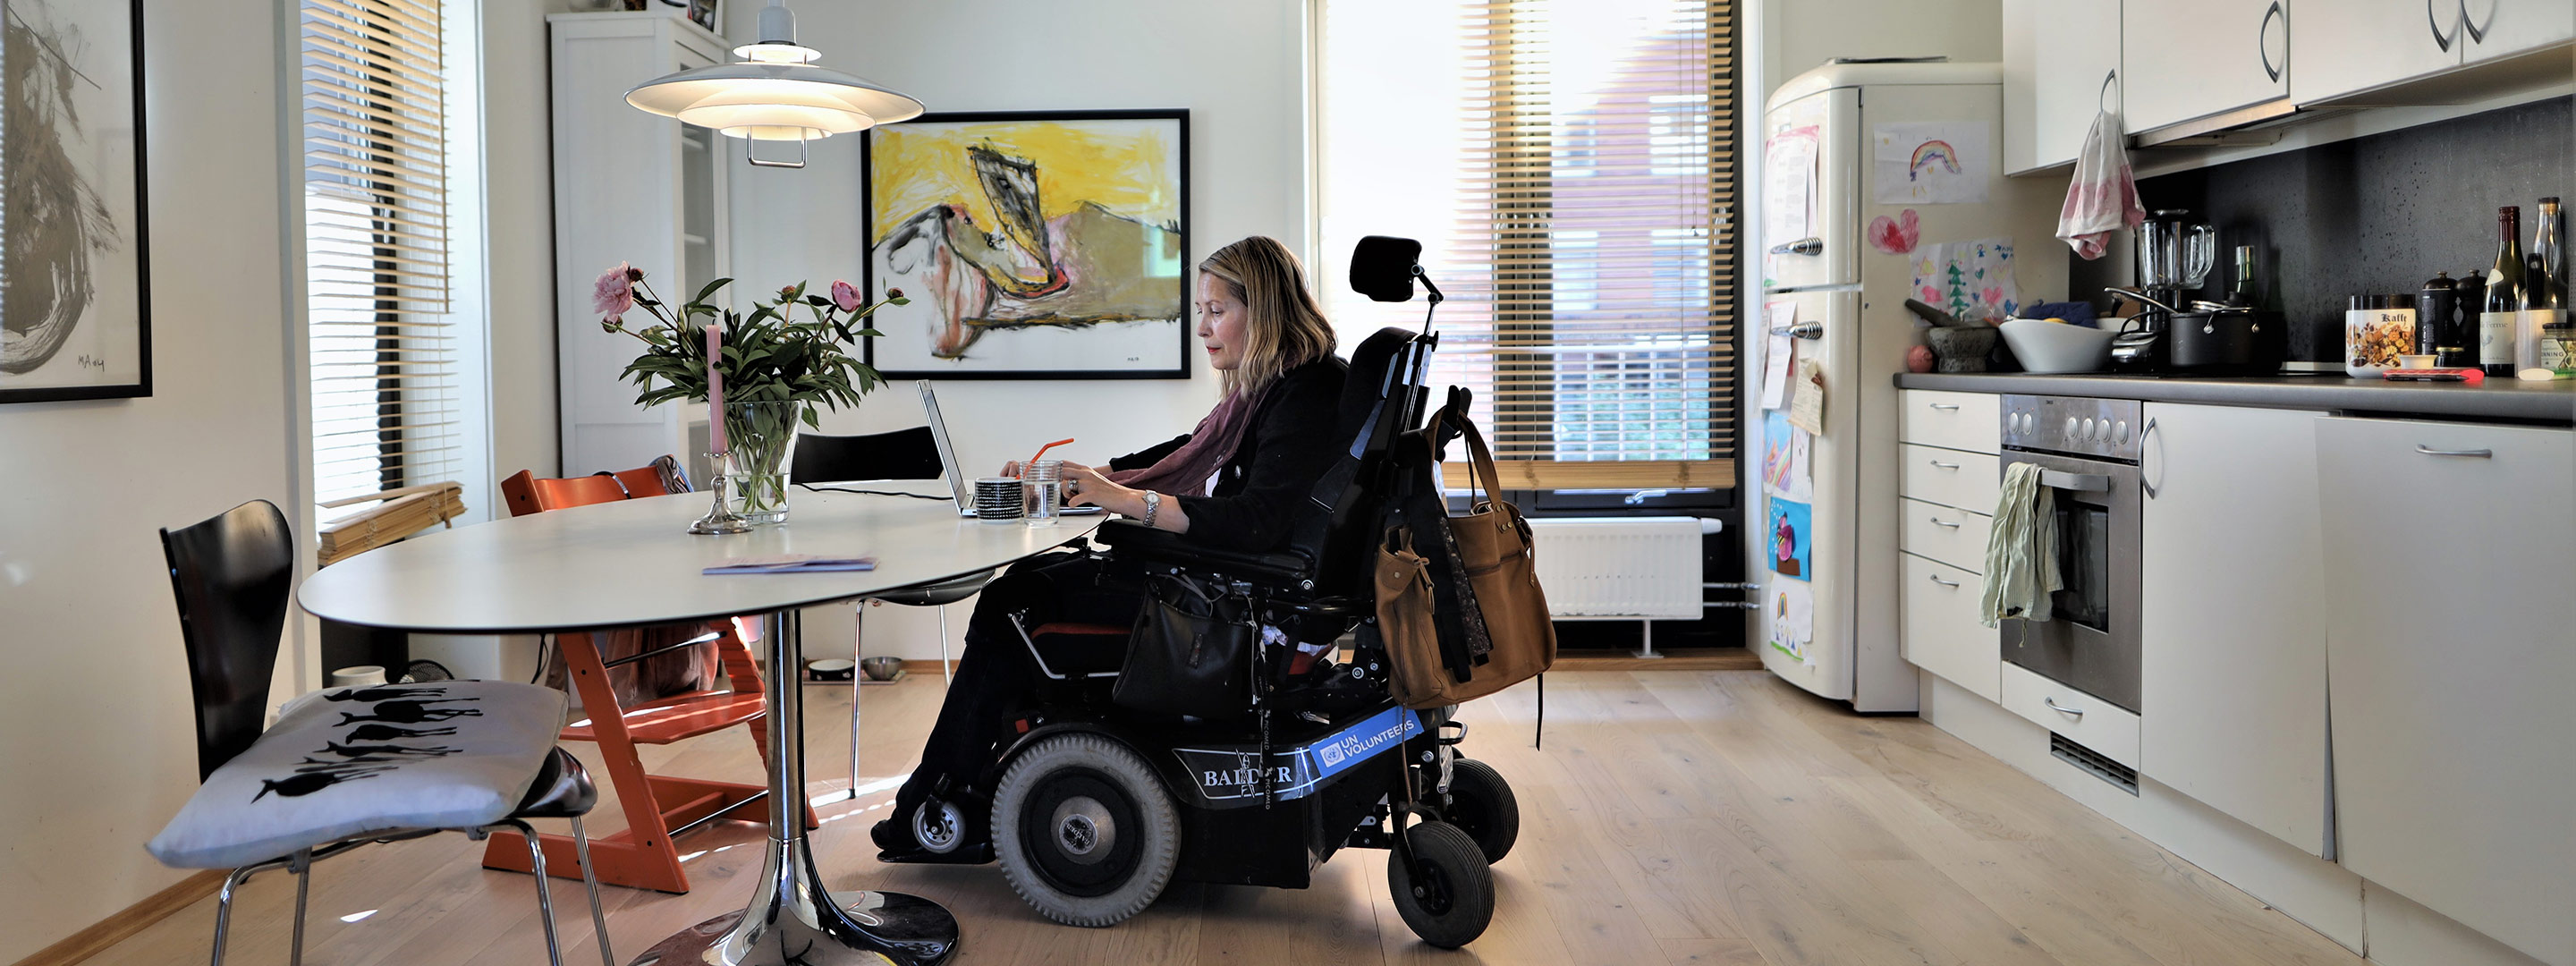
(1929,153)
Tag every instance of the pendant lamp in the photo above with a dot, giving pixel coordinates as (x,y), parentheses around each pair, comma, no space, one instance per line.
(774,93)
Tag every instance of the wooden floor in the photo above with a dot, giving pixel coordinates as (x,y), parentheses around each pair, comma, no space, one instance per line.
(1676,816)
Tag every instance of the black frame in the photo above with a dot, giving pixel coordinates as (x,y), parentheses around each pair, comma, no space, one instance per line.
(142,386)
(867,230)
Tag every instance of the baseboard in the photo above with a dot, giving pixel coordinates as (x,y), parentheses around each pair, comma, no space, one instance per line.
(135,918)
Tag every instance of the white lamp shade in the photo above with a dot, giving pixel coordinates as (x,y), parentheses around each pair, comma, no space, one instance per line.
(773,101)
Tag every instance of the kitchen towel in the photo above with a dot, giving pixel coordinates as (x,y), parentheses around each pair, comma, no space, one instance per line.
(2021,550)
(2103,197)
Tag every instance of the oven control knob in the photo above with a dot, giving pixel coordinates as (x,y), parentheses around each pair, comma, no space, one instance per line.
(2086,432)
(2120,431)
(2070,427)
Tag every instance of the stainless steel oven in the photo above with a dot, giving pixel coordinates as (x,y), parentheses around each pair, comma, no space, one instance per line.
(2087,451)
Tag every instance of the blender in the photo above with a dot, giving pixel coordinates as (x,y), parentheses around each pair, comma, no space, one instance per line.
(2174,257)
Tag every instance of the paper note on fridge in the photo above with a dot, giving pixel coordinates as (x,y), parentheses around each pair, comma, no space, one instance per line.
(1931,162)
(1807,397)
(1788,186)
(1776,350)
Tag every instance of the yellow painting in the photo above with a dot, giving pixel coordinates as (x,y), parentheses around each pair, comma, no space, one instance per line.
(1031,246)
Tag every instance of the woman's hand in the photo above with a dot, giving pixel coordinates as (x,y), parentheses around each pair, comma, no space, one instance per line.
(1085,486)
(1010,469)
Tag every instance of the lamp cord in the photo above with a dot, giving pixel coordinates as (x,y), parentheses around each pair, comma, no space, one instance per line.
(843,489)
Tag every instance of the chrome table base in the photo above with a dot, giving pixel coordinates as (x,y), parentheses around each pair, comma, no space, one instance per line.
(792,919)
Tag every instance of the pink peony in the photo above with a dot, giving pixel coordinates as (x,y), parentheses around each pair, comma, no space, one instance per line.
(614,293)
(846,296)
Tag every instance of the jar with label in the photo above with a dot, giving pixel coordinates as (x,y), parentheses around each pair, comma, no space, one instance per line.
(2376,330)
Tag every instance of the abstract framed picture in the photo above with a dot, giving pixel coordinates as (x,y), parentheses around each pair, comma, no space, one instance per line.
(1032,245)
(75,314)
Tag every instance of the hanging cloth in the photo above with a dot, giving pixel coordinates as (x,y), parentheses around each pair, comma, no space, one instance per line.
(2021,550)
(2103,197)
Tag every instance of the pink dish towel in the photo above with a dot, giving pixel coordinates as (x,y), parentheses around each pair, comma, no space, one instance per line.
(2103,198)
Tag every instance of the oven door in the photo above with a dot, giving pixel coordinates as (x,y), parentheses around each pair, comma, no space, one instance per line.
(2091,641)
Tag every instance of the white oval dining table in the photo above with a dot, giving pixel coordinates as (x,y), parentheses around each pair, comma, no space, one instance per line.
(633,562)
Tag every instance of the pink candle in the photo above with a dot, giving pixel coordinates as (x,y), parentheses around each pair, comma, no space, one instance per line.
(715,392)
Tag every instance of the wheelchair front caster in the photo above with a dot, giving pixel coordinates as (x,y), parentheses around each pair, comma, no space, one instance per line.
(1482,805)
(1084,830)
(1447,895)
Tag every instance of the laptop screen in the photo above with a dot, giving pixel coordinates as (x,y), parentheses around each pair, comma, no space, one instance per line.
(958,486)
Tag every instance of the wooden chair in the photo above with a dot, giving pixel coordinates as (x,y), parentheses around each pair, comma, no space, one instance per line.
(658,807)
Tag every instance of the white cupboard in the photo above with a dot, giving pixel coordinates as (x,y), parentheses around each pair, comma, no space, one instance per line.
(2233,651)
(628,187)
(2496,29)
(2374,43)
(2189,59)
(2061,68)
(2448,642)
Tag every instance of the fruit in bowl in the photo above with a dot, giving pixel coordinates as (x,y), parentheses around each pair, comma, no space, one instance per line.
(2054,345)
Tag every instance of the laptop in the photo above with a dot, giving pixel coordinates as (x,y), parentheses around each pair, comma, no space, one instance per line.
(960,486)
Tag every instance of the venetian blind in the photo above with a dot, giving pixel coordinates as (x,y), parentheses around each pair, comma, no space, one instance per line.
(1570,167)
(386,393)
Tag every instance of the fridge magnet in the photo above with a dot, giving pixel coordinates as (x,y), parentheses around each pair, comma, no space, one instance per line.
(1793,618)
(1931,163)
(1895,236)
(1786,472)
(1968,279)
(1789,532)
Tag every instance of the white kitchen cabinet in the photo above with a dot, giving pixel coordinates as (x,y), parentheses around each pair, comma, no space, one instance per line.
(2375,43)
(2183,60)
(629,187)
(2232,626)
(2061,68)
(2448,555)
(2502,28)
(1942,632)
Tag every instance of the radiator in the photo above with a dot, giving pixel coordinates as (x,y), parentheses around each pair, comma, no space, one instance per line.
(1620,568)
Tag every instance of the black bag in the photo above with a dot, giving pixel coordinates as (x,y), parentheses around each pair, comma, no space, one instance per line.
(1191,651)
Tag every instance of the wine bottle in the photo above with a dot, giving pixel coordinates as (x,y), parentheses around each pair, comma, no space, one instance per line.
(2503,309)
(2536,353)
(2553,258)
(2243,295)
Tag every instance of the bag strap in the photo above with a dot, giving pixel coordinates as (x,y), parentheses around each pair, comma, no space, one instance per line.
(1484,478)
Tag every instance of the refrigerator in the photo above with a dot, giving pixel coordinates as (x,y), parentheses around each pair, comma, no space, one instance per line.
(1880,181)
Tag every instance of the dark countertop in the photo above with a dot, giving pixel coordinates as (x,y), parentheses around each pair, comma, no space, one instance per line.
(2494,399)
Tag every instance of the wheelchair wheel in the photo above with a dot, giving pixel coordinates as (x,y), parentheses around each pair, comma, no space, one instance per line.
(1482,805)
(1451,901)
(1085,833)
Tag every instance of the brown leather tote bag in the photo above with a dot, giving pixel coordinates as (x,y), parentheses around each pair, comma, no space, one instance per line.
(1494,544)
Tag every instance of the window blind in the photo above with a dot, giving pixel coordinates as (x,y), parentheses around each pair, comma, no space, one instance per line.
(386,387)
(1570,168)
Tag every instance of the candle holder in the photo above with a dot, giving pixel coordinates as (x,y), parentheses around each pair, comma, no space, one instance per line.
(720,519)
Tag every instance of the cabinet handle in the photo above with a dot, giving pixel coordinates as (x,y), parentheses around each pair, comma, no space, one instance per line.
(2114,75)
(2440,41)
(2480,454)
(1936,578)
(2143,486)
(2477,34)
(2263,39)
(1946,466)
(1947,407)
(2061,709)
(1938,522)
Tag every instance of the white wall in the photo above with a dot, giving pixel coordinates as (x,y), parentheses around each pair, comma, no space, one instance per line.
(1238,66)
(1798,35)
(518,170)
(97,744)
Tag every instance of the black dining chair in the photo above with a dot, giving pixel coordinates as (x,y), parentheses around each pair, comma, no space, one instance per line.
(402,761)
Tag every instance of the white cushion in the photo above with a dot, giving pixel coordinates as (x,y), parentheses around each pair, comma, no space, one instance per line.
(342,763)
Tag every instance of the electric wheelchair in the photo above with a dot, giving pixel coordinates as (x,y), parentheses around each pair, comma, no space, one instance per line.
(1096,809)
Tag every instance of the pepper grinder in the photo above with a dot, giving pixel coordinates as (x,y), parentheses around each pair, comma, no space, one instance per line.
(2434,307)
(2459,348)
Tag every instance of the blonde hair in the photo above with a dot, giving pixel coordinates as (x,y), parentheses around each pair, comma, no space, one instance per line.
(1284,328)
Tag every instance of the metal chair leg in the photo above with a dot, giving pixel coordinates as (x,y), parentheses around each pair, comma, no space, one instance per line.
(590,882)
(224,900)
(545,898)
(948,672)
(302,863)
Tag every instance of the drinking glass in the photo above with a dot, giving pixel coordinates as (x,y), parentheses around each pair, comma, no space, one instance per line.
(1045,481)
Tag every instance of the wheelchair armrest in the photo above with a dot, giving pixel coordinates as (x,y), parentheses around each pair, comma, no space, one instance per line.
(1137,541)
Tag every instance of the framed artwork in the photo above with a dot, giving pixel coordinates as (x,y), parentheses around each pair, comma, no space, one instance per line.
(75,316)
(1033,245)
(703,13)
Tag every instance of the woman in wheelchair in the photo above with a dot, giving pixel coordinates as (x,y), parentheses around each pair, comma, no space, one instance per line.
(1233,483)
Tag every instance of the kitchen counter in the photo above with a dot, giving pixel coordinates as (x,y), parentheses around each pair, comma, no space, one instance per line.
(2512,399)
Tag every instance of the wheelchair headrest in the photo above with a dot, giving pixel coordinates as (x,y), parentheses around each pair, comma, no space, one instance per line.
(1381,392)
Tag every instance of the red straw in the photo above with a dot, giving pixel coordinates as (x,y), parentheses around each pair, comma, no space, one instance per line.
(1042,449)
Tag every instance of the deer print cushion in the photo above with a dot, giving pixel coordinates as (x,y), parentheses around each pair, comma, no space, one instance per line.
(343,762)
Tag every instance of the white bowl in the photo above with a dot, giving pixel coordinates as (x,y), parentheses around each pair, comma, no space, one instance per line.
(2044,346)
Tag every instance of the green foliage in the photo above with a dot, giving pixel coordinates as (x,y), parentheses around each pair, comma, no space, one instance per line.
(769,355)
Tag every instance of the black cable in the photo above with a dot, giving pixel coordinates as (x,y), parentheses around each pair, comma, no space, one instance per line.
(843,489)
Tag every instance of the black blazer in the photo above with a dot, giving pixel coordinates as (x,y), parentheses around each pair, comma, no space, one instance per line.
(1262,487)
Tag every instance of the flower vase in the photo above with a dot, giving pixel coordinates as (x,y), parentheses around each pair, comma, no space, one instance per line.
(759,435)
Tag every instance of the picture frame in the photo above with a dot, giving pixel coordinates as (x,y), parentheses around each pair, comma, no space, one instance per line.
(1030,244)
(76,323)
(707,13)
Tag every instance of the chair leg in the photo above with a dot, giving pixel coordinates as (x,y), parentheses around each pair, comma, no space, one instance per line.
(303,865)
(590,882)
(948,672)
(224,900)
(545,898)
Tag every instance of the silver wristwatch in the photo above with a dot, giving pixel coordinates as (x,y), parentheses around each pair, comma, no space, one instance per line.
(1153,502)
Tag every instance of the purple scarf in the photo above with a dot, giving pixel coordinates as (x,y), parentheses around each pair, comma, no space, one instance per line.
(1185,471)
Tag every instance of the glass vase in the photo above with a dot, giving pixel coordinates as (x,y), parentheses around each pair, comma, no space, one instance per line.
(759,435)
